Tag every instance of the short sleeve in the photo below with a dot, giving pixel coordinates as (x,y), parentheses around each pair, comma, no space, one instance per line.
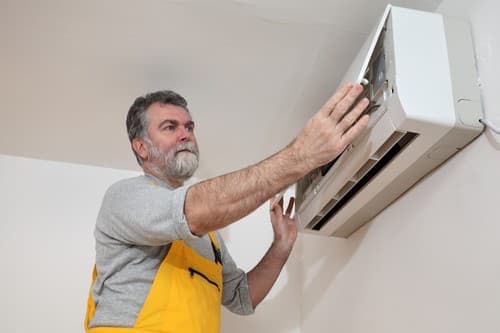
(141,212)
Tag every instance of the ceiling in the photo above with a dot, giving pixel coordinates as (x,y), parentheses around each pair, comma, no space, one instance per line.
(253,72)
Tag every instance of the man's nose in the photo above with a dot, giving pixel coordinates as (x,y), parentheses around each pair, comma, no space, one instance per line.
(184,135)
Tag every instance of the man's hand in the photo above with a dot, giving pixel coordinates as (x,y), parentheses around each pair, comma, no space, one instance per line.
(284,227)
(263,276)
(330,130)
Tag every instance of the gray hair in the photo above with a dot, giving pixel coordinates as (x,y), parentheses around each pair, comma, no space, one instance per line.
(137,121)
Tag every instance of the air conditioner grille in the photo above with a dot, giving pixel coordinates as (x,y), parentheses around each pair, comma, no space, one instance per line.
(396,143)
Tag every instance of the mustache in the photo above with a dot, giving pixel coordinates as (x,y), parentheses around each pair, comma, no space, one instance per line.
(189,146)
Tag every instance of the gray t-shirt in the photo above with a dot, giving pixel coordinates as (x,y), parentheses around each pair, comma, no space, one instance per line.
(138,220)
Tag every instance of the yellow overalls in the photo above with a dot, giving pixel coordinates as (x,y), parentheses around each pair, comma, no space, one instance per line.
(185,295)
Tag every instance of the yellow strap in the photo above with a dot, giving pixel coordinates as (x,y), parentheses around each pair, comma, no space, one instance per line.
(90,301)
(216,249)
(214,240)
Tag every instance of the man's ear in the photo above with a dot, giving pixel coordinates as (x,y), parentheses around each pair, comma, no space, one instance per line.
(141,148)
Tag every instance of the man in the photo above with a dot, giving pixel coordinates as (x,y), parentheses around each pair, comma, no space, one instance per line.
(160,264)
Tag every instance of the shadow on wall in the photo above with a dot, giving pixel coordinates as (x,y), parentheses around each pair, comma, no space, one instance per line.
(323,258)
(493,139)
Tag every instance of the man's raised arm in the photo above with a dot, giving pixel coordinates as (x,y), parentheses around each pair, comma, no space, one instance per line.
(217,202)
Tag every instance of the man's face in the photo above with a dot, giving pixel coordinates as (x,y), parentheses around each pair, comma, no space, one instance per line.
(173,151)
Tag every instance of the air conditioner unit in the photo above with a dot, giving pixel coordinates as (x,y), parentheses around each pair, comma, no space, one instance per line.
(419,73)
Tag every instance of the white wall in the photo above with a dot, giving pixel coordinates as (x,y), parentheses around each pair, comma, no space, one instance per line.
(48,215)
(428,263)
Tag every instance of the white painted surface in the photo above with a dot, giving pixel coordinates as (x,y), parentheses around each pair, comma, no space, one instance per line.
(428,263)
(48,215)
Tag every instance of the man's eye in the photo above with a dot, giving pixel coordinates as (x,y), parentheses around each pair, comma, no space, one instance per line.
(169,128)
(190,128)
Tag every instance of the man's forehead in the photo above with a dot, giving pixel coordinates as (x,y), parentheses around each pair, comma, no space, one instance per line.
(160,111)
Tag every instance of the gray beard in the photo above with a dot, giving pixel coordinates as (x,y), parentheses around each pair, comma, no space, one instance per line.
(175,165)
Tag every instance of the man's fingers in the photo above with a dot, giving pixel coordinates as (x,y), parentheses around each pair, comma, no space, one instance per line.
(350,118)
(326,110)
(276,206)
(345,104)
(353,132)
(325,126)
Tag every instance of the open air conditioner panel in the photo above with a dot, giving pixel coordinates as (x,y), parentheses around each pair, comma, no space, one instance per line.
(376,89)
(418,119)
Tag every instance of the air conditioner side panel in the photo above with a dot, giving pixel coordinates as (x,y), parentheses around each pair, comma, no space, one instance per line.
(465,83)
(422,72)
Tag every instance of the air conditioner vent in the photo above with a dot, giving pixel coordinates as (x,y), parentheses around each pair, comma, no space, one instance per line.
(395,144)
